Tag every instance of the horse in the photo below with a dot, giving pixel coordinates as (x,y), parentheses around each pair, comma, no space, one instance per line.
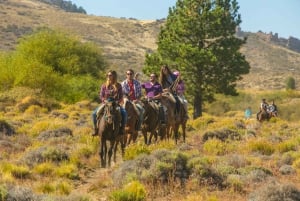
(263,115)
(176,116)
(151,122)
(108,130)
(267,114)
(131,132)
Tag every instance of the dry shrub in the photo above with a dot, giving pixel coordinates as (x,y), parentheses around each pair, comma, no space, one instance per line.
(6,128)
(222,135)
(35,110)
(275,192)
(27,102)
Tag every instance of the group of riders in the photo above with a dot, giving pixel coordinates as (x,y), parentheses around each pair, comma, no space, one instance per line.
(270,110)
(134,90)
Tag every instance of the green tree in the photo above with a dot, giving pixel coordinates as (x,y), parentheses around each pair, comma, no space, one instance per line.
(56,64)
(290,83)
(65,53)
(198,39)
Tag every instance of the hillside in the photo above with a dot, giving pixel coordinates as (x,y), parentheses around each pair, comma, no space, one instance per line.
(125,41)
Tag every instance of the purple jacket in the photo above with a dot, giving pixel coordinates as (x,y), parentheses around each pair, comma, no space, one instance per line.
(180,88)
(152,89)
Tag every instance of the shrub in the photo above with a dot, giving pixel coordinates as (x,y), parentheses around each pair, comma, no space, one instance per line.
(46,188)
(133,151)
(287,146)
(134,191)
(64,188)
(3,193)
(290,83)
(215,146)
(275,192)
(44,169)
(263,147)
(68,171)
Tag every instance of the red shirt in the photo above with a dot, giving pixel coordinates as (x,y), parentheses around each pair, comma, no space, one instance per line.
(131,90)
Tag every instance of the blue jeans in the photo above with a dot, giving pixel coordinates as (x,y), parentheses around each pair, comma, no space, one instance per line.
(123,114)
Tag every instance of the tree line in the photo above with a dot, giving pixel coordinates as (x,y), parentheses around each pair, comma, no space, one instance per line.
(65,5)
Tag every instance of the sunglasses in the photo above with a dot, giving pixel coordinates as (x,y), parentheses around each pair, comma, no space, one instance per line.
(109,74)
(129,73)
(152,76)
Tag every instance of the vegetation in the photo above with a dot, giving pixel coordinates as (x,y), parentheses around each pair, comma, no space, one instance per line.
(199,40)
(226,157)
(56,64)
(290,83)
(47,152)
(66,5)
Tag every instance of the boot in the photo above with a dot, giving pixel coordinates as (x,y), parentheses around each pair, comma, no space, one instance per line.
(95,132)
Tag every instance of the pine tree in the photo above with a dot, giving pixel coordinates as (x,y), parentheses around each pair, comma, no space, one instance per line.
(198,38)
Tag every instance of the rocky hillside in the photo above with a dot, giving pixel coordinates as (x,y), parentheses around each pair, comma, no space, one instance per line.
(125,41)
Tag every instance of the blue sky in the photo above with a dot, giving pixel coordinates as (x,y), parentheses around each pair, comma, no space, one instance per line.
(278,16)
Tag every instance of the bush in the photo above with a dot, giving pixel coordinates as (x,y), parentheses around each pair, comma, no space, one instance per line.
(134,191)
(263,147)
(3,193)
(290,83)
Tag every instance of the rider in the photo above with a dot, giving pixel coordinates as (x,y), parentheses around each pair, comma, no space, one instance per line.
(180,92)
(153,92)
(132,88)
(273,109)
(111,89)
(167,80)
(263,107)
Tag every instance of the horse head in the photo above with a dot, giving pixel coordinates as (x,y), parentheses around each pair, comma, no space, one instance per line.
(110,110)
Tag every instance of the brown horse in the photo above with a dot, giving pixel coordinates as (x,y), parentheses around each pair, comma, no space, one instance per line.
(263,115)
(131,132)
(109,125)
(176,116)
(151,122)
(267,114)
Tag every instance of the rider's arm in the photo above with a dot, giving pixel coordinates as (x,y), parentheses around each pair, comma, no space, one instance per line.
(120,94)
(102,93)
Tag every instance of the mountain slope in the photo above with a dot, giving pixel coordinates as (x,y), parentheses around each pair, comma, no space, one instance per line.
(125,41)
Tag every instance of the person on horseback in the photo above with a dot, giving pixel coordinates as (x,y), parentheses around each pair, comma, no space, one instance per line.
(153,93)
(263,107)
(110,90)
(132,88)
(180,89)
(272,109)
(169,83)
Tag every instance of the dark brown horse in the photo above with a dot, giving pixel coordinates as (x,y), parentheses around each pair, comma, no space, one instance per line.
(151,123)
(176,116)
(131,132)
(109,125)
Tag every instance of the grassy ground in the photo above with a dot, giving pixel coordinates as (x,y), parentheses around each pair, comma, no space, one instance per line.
(226,157)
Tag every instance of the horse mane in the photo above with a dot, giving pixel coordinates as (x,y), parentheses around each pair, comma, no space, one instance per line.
(169,96)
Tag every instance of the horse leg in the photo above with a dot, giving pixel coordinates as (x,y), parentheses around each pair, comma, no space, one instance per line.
(183,127)
(115,148)
(145,137)
(123,145)
(110,151)
(102,153)
(134,136)
(176,128)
